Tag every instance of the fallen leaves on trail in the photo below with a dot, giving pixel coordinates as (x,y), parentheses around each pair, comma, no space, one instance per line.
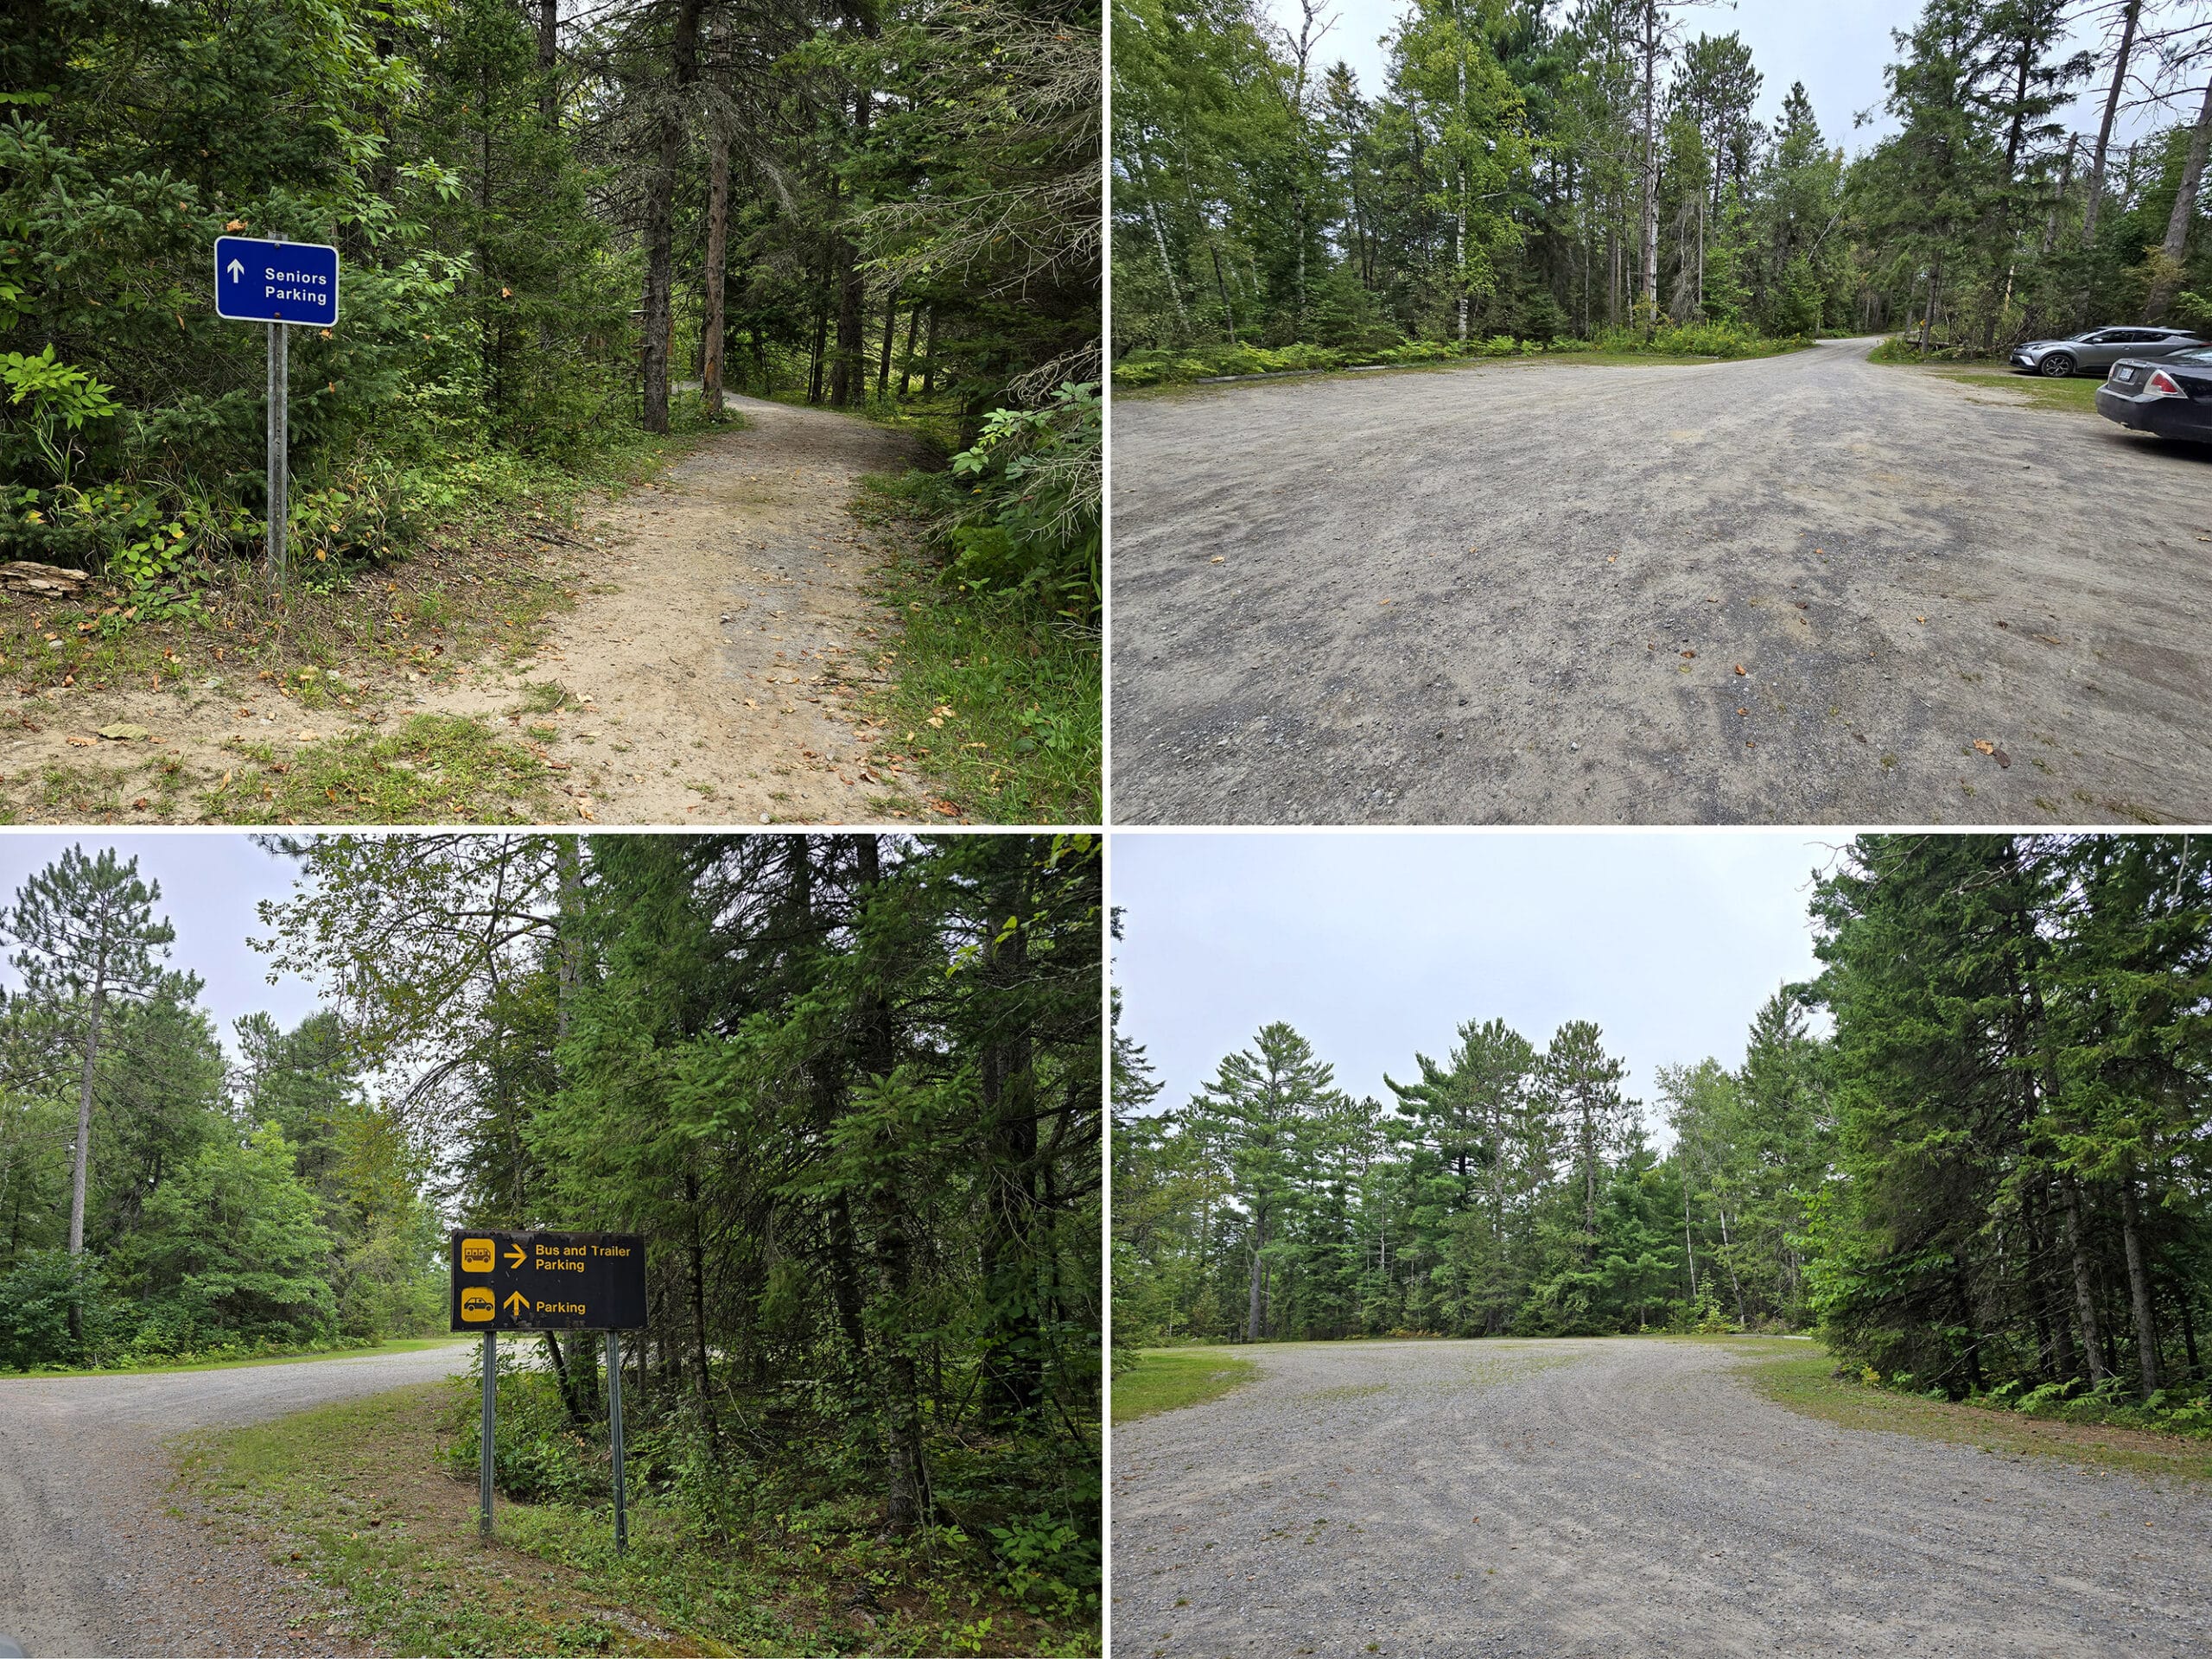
(1920,618)
(1983,746)
(83,742)
(1689,653)
(1218,559)
(125,731)
(304,736)
(1740,669)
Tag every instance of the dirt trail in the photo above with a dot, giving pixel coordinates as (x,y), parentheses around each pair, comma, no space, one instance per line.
(93,1559)
(1623,1498)
(1799,590)
(721,614)
(729,603)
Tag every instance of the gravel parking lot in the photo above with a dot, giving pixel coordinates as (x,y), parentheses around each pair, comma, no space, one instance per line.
(1618,1498)
(1521,592)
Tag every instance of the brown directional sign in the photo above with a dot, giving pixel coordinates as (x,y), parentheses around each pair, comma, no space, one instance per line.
(547,1282)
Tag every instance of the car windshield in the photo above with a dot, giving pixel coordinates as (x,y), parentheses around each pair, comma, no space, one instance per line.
(2201,356)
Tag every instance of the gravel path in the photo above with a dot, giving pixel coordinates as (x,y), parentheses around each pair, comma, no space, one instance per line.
(93,1559)
(1620,1498)
(1472,595)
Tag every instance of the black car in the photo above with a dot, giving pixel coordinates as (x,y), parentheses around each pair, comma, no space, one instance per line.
(2170,397)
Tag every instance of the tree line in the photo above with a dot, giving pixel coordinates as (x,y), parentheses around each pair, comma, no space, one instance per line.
(163,1198)
(1552,172)
(547,220)
(848,1088)
(1975,1152)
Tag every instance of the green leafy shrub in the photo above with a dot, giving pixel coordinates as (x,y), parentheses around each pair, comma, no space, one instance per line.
(1026,524)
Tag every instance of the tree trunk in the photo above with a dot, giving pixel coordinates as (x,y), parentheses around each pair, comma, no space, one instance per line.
(1252,1308)
(2184,214)
(2085,1297)
(2139,1288)
(660,216)
(1728,1258)
(906,363)
(1650,215)
(695,1261)
(2058,202)
(549,49)
(890,334)
(2128,20)
(717,272)
(848,377)
(929,354)
(82,1161)
(1013,1360)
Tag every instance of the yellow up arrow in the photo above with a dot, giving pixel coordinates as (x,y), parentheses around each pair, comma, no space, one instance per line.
(517,1303)
(516,1255)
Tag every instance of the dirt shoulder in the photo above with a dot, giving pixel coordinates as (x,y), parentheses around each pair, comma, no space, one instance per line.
(1618,1497)
(99,1556)
(698,649)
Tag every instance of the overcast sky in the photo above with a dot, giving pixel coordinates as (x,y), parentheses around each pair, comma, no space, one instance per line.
(1375,946)
(1837,47)
(210,883)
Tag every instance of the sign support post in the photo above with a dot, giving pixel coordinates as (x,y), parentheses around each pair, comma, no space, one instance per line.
(614,1424)
(548,1281)
(284,285)
(484,1448)
(280,388)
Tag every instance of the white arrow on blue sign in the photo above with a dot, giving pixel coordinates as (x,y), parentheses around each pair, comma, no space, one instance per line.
(275,282)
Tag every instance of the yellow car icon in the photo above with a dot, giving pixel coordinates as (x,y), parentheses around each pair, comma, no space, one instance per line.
(476,1256)
(477,1306)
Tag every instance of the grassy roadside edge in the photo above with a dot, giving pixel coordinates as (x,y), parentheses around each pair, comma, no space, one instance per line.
(358,1497)
(1168,1379)
(1804,1381)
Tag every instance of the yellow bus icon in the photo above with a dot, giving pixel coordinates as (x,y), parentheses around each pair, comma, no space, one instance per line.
(477,1306)
(476,1256)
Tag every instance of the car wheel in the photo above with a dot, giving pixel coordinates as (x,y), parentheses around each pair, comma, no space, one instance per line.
(2058,365)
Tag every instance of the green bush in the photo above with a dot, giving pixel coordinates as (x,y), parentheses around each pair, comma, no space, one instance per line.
(1024,519)
(1172,367)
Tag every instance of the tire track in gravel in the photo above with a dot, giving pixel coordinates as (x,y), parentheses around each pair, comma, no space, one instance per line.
(1618,1498)
(92,1558)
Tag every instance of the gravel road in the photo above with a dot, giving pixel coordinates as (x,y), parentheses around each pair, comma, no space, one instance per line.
(1622,1498)
(92,1559)
(1473,594)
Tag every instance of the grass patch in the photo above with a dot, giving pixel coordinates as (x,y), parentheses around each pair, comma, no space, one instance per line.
(356,1494)
(444,768)
(2077,394)
(281,1356)
(1805,1381)
(997,706)
(1168,1379)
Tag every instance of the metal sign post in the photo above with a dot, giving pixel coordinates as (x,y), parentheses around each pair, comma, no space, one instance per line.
(282,284)
(615,1429)
(280,432)
(485,1449)
(549,1282)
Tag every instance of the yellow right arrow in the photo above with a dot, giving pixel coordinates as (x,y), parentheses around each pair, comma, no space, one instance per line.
(516,1255)
(517,1303)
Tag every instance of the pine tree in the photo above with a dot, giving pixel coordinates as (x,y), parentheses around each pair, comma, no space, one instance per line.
(84,930)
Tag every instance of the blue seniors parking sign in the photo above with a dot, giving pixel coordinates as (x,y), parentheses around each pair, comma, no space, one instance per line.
(275,282)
